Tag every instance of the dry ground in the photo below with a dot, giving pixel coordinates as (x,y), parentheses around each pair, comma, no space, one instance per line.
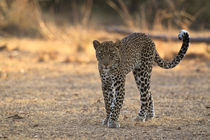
(45,95)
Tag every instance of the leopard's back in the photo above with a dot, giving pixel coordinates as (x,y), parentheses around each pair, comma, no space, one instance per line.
(135,47)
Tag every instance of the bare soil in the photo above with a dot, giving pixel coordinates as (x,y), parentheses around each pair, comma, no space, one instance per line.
(43,97)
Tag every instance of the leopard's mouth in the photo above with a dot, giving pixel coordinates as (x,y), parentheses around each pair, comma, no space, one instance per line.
(106,68)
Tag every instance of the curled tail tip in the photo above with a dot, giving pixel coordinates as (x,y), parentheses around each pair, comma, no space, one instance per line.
(183,34)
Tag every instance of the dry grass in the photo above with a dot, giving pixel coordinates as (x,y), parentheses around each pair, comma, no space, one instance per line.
(19,17)
(51,89)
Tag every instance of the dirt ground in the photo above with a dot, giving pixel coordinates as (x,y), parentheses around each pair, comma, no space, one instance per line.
(45,97)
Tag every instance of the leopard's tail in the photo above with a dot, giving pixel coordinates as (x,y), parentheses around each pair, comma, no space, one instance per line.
(183,35)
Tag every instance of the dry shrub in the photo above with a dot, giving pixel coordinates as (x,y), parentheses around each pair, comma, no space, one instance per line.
(151,16)
(81,15)
(123,11)
(18,17)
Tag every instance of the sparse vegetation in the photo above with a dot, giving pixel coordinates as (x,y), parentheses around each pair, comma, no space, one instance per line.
(49,82)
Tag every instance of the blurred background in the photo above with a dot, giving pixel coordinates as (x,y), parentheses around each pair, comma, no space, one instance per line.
(49,81)
(63,30)
(26,16)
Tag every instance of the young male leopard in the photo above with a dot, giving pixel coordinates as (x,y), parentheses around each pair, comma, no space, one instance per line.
(135,53)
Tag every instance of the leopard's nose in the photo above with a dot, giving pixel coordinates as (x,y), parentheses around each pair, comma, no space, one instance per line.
(106,63)
(106,66)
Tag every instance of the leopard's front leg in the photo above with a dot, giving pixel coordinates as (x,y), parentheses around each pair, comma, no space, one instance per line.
(118,87)
(107,93)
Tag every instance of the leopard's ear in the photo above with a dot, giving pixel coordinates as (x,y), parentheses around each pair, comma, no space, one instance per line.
(118,43)
(96,43)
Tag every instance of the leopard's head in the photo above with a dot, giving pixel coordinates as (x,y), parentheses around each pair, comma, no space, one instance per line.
(107,53)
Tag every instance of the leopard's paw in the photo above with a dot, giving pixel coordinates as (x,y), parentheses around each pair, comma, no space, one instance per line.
(113,124)
(140,119)
(150,117)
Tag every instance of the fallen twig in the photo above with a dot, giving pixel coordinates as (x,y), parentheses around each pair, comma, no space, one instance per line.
(160,37)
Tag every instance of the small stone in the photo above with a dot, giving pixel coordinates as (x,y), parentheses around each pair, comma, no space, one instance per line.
(35,125)
(125,117)
(98,101)
(179,128)
(207,106)
(198,70)
(16,116)
(3,47)
(3,137)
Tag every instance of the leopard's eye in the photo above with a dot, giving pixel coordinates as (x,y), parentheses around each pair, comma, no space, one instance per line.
(99,53)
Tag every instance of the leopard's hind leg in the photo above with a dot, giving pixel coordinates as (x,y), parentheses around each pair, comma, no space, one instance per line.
(142,75)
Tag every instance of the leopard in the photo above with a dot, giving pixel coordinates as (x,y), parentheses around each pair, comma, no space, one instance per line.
(134,53)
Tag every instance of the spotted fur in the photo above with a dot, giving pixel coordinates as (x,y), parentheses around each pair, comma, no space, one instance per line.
(135,53)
